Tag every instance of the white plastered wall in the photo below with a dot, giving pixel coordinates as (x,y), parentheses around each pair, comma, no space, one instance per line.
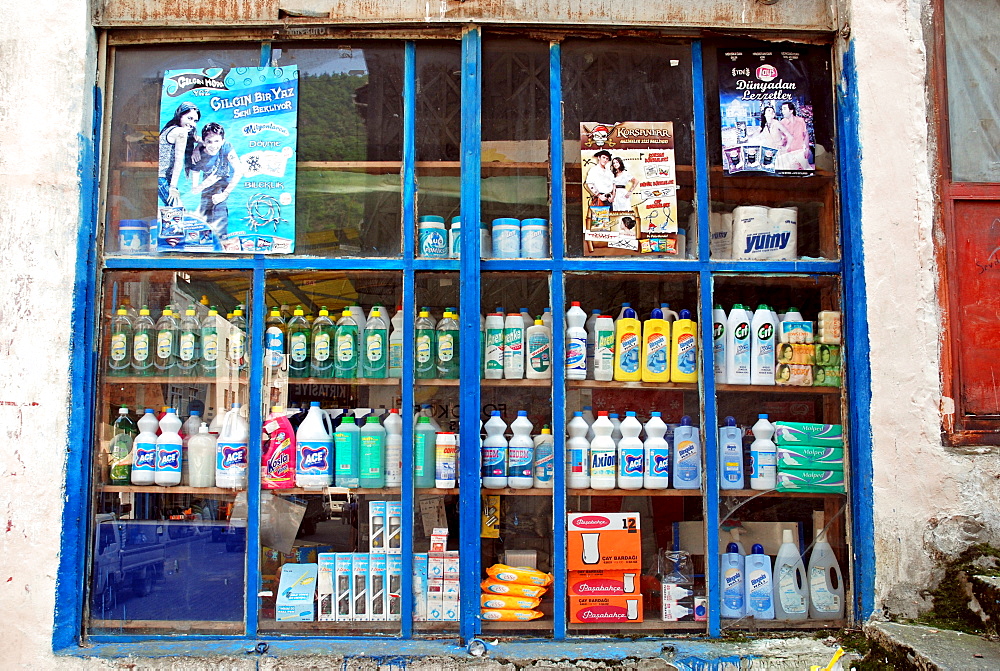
(930,502)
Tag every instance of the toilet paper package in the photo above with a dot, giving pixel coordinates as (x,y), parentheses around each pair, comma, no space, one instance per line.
(762,233)
(720,226)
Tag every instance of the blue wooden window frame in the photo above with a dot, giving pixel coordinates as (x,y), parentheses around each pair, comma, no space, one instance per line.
(70,586)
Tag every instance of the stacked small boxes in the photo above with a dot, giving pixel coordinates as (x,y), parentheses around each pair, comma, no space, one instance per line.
(365,587)
(604,558)
(805,359)
(810,457)
(435,581)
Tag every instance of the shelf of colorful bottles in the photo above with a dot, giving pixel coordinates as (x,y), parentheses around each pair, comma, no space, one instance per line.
(632,492)
(358,491)
(572,384)
(775,389)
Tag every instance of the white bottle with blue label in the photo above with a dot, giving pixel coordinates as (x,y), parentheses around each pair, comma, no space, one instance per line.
(520,453)
(763,456)
(656,454)
(738,346)
(719,330)
(630,454)
(762,329)
(169,450)
(732,576)
(576,342)
(687,456)
(603,455)
(544,459)
(232,451)
(144,450)
(730,456)
(494,453)
(314,450)
(759,584)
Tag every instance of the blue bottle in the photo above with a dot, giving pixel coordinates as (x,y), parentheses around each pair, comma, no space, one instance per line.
(687,456)
(759,584)
(732,575)
(730,456)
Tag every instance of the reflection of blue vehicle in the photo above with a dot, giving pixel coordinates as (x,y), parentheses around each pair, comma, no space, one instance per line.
(167,570)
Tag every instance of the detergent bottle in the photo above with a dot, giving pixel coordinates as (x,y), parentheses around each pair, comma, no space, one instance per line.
(604,348)
(299,344)
(656,454)
(684,349)
(314,450)
(826,585)
(375,354)
(520,453)
(719,322)
(346,341)
(759,584)
(144,450)
(577,453)
(513,347)
(576,342)
(424,363)
(687,456)
(630,454)
(169,450)
(730,455)
(347,452)
(763,456)
(544,460)
(494,453)
(738,346)
(628,331)
(762,328)
(119,362)
(371,457)
(603,457)
(393,448)
(791,588)
(278,460)
(494,346)
(731,573)
(232,451)
(655,356)
(539,355)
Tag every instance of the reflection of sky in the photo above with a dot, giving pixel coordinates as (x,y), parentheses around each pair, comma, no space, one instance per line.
(325,61)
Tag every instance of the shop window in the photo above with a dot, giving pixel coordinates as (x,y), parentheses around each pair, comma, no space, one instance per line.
(970,189)
(387,341)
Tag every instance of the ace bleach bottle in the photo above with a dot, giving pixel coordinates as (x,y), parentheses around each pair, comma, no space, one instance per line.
(630,454)
(231,456)
(314,450)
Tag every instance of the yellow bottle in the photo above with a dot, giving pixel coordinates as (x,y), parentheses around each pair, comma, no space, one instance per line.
(684,349)
(655,356)
(628,333)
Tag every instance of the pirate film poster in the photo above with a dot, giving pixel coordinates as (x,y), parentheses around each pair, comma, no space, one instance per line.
(767,114)
(629,188)
(226,179)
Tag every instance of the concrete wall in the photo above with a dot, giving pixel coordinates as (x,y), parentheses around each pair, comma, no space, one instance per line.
(930,501)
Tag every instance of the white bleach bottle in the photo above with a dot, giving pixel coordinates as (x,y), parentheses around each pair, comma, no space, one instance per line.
(577,453)
(144,450)
(396,344)
(616,433)
(603,470)
(762,329)
(730,455)
(544,459)
(719,322)
(738,346)
(393,448)
(591,328)
(169,450)
(604,348)
(630,454)
(732,576)
(494,346)
(656,454)
(232,451)
(513,347)
(687,456)
(763,456)
(588,414)
(791,589)
(826,585)
(576,342)
(314,450)
(494,453)
(520,453)
(759,584)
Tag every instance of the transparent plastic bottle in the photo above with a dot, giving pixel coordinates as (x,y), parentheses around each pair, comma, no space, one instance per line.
(275,332)
(299,344)
(346,346)
(189,343)
(210,343)
(120,348)
(143,343)
(375,357)
(123,433)
(165,353)
(447,346)
(323,336)
(424,364)
(202,449)
(236,355)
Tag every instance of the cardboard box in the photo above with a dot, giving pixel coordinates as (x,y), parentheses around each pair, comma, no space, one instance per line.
(326,612)
(810,457)
(803,433)
(343,579)
(394,588)
(831,482)
(296,593)
(377,590)
(601,541)
(420,563)
(451,564)
(449,599)
(690,536)
(435,599)
(361,586)
(439,540)
(394,527)
(377,527)
(603,583)
(602,609)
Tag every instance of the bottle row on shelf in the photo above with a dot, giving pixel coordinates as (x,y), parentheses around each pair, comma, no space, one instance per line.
(324,448)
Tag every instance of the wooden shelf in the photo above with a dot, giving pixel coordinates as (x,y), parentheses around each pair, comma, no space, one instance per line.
(768,389)
(652,622)
(541,624)
(156,489)
(390,627)
(366,381)
(173,379)
(600,384)
(358,491)
(770,493)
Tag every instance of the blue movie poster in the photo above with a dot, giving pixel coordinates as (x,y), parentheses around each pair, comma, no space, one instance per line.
(767,114)
(226,179)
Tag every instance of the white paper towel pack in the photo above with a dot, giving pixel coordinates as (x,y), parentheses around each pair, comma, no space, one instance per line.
(762,233)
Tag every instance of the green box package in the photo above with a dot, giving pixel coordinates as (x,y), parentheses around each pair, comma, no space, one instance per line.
(810,457)
(805,433)
(827,482)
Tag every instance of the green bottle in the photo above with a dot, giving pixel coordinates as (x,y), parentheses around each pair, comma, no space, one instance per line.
(123,433)
(447,346)
(210,343)
(372,458)
(375,361)
(165,353)
(119,354)
(425,366)
(189,343)
(323,333)
(236,349)
(299,338)
(424,455)
(346,343)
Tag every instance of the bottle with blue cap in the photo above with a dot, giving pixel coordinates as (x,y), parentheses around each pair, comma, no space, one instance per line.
(494,453)
(730,455)
(630,454)
(732,576)
(656,454)
(687,456)
(684,349)
(654,359)
(628,331)
(577,453)
(759,584)
(520,453)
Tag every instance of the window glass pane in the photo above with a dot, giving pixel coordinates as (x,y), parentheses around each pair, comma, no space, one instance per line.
(324,521)
(350,148)
(134,135)
(169,526)
(610,81)
(973,89)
